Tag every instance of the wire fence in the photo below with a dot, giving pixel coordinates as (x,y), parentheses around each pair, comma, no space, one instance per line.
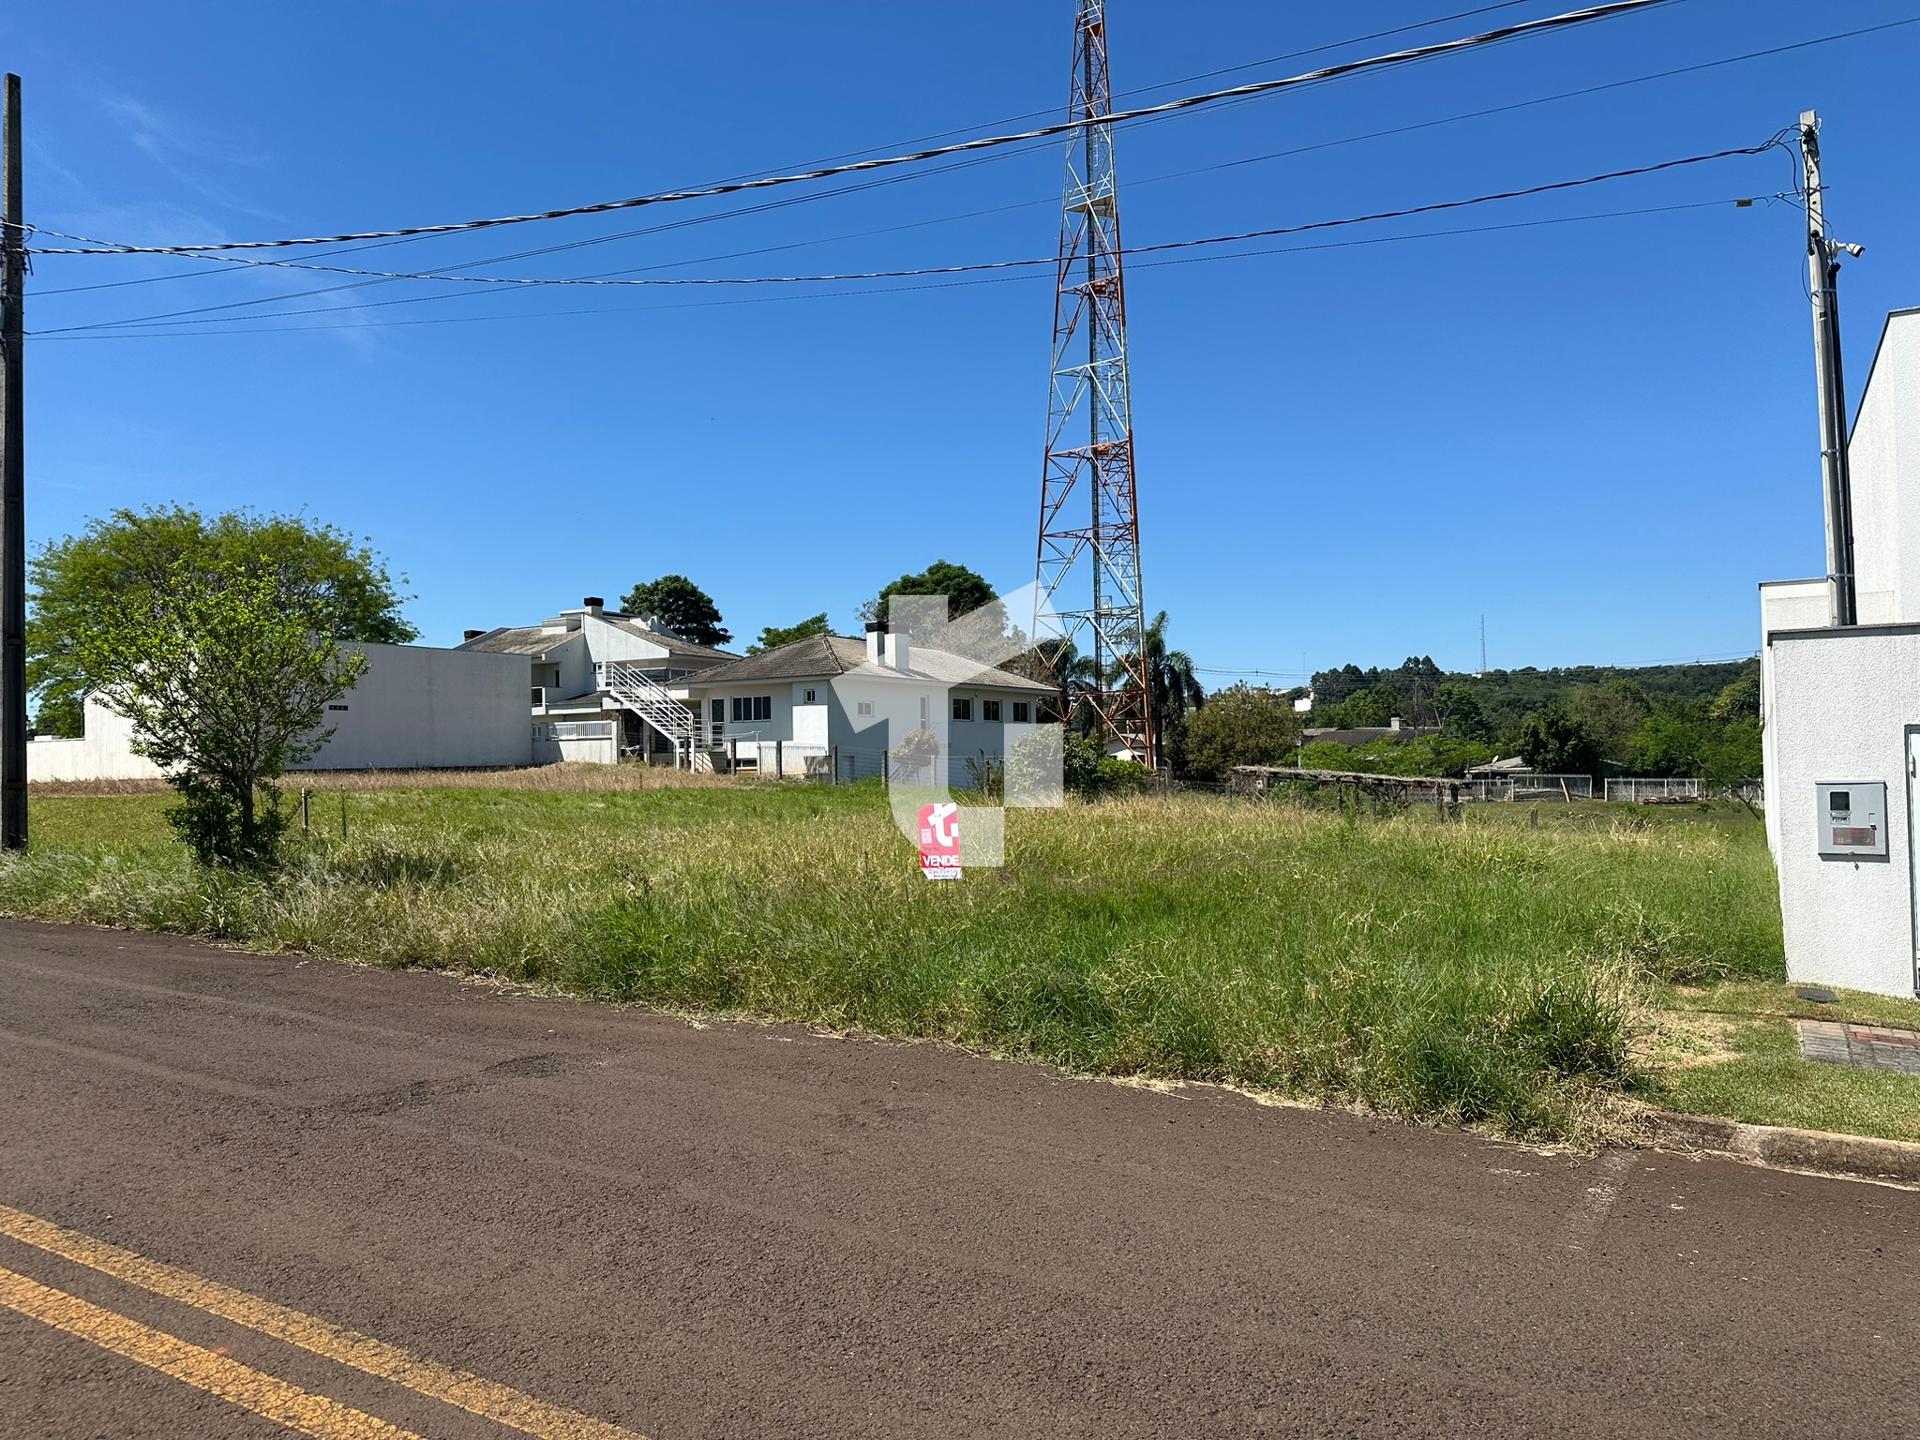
(1641,790)
(1527,787)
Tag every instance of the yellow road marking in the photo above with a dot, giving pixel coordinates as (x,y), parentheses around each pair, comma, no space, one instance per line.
(462,1389)
(233,1382)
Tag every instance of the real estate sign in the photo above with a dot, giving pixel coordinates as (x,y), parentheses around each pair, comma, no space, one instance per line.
(940,841)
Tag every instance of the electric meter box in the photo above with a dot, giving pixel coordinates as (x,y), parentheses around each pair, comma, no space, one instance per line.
(1852,816)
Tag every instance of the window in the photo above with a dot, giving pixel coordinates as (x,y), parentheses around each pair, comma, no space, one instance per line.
(336,707)
(989,709)
(811,698)
(752,707)
(962,708)
(923,710)
(1022,712)
(865,707)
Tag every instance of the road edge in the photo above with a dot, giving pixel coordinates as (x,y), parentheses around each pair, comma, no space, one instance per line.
(1784,1147)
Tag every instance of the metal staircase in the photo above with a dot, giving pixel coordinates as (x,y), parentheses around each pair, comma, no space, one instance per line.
(627,687)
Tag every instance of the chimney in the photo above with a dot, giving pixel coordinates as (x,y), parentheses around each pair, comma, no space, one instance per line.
(876,631)
(593,604)
(896,651)
(471,635)
(1394,723)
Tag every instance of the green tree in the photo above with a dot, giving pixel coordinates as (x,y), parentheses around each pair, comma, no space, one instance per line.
(1365,709)
(681,606)
(1555,742)
(1458,711)
(1671,742)
(225,671)
(1240,726)
(1613,714)
(119,562)
(1739,701)
(1173,689)
(772,637)
(966,590)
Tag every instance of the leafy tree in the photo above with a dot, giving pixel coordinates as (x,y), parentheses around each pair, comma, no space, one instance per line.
(966,590)
(772,637)
(1364,709)
(1739,701)
(680,605)
(1734,754)
(1613,714)
(1671,742)
(1240,726)
(1458,710)
(225,671)
(1555,742)
(119,563)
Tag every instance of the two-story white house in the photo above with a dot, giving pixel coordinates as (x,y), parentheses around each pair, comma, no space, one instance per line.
(835,704)
(601,683)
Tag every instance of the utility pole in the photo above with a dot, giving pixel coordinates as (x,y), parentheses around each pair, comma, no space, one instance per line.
(1823,273)
(13,486)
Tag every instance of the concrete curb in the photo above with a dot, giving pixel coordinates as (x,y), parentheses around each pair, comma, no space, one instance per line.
(1787,1148)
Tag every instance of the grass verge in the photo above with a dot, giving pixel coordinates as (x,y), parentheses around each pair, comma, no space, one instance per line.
(1486,971)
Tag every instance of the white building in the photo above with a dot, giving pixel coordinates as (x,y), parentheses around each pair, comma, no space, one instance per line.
(831,700)
(599,685)
(414,707)
(1842,711)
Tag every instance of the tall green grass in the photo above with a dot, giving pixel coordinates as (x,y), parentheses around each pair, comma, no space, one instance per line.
(1481,971)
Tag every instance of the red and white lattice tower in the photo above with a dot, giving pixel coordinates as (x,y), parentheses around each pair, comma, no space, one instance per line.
(1088,572)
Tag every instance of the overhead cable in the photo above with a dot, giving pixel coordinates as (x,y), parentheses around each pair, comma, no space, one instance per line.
(1543,25)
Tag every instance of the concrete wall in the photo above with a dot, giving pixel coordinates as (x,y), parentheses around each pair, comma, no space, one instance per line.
(415,708)
(1840,705)
(422,708)
(1884,456)
(103,752)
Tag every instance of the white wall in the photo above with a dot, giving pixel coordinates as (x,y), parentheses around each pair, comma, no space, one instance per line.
(422,708)
(415,708)
(103,752)
(1841,702)
(1884,459)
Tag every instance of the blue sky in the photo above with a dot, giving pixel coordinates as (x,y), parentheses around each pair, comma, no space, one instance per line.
(1600,434)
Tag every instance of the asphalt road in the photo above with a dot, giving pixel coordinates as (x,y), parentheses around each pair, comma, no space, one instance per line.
(236,1187)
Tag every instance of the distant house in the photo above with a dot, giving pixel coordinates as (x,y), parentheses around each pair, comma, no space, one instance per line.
(602,683)
(802,703)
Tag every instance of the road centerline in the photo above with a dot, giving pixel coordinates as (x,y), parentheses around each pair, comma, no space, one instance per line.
(462,1389)
(239,1385)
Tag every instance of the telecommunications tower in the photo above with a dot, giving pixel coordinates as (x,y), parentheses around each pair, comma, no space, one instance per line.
(1087,579)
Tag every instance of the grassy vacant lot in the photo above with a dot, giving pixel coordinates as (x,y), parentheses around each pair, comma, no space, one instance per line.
(1483,971)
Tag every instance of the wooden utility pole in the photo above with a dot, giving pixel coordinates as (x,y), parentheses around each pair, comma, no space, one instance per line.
(13,486)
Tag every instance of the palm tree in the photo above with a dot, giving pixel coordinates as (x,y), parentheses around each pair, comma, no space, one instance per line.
(1172,687)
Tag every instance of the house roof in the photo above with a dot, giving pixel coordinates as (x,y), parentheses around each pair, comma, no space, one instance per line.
(520,640)
(1361,734)
(674,644)
(821,657)
(538,639)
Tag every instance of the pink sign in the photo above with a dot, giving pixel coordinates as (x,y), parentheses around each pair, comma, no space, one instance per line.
(940,841)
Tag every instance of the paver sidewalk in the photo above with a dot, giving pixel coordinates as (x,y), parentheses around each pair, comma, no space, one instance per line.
(1868,1047)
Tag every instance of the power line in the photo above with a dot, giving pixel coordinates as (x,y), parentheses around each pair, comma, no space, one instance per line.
(1543,25)
(916,140)
(156,332)
(1750,55)
(537,281)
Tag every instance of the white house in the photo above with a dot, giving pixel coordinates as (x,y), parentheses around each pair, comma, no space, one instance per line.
(1842,711)
(832,700)
(599,683)
(414,707)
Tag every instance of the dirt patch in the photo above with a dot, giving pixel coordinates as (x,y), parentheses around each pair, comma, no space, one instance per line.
(1684,1039)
